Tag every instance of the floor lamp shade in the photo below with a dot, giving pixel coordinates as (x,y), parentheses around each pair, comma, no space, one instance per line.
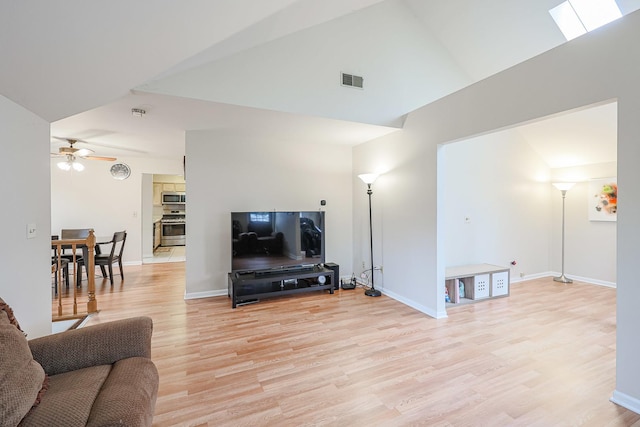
(563,187)
(369,178)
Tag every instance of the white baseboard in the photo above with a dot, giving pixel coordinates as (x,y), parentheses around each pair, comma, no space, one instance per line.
(206,294)
(421,308)
(590,280)
(531,277)
(626,401)
(132,263)
(570,276)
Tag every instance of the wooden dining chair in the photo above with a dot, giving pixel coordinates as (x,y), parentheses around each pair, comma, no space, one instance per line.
(108,259)
(73,233)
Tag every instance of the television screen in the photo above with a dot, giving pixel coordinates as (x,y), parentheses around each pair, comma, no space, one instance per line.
(276,240)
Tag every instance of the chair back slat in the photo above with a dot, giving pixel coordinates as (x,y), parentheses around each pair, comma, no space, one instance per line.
(117,244)
(74,233)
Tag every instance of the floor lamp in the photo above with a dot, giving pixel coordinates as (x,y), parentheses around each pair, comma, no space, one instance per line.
(369,179)
(563,187)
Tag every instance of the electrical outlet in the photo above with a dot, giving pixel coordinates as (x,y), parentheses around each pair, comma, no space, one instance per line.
(363,266)
(521,275)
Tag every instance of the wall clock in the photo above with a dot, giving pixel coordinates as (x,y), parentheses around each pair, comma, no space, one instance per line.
(120,171)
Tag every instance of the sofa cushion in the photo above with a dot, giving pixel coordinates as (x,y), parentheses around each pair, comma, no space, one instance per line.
(21,376)
(132,383)
(12,319)
(69,399)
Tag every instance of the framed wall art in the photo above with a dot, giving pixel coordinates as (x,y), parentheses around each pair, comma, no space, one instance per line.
(603,199)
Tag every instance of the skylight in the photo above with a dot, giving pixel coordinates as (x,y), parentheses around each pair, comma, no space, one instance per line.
(576,17)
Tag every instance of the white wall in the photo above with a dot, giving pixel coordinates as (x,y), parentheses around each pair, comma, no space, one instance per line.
(501,185)
(227,174)
(591,69)
(404,216)
(94,199)
(25,263)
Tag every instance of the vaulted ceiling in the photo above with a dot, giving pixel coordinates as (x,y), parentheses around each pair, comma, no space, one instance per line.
(265,69)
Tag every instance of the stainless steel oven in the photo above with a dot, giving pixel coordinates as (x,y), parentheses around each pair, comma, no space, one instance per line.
(173,231)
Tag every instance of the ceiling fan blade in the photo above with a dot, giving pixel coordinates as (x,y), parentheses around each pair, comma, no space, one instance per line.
(115,147)
(107,159)
(84,152)
(99,144)
(59,138)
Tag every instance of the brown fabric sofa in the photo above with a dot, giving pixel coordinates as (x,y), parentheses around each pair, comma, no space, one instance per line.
(99,375)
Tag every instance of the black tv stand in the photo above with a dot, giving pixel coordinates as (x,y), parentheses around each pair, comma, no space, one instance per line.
(252,286)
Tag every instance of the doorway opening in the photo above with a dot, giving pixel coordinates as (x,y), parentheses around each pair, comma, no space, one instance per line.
(165,218)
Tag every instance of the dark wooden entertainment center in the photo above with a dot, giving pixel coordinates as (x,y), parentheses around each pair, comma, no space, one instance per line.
(252,286)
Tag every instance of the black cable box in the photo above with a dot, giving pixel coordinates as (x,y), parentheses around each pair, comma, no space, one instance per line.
(348,285)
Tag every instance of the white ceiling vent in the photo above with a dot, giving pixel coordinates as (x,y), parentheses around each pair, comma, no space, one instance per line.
(352,81)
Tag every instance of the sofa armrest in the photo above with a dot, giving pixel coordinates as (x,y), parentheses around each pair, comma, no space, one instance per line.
(102,344)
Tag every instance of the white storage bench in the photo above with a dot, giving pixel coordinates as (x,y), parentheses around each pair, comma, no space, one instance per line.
(467,283)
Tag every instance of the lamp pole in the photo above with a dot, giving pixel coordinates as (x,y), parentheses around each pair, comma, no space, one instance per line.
(563,187)
(372,292)
(369,178)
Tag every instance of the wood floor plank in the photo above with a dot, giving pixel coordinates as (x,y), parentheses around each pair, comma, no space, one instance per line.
(544,356)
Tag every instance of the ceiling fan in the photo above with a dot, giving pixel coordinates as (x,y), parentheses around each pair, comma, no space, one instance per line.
(72,153)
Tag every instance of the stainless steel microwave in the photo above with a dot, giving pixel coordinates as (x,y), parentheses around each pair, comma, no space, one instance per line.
(174,198)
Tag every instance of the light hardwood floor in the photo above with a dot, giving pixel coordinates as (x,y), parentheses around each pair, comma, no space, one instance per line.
(545,356)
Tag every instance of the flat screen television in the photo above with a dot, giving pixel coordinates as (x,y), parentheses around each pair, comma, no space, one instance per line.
(276,240)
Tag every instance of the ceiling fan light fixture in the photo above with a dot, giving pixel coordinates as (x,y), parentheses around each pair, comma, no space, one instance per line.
(65,166)
(71,163)
(77,166)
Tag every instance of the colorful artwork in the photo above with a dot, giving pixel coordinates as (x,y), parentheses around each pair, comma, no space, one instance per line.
(603,199)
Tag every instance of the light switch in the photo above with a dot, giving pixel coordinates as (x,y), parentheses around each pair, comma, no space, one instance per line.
(31,231)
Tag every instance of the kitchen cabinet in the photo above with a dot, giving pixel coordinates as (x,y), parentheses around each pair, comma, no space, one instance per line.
(168,186)
(157,227)
(157,194)
(181,186)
